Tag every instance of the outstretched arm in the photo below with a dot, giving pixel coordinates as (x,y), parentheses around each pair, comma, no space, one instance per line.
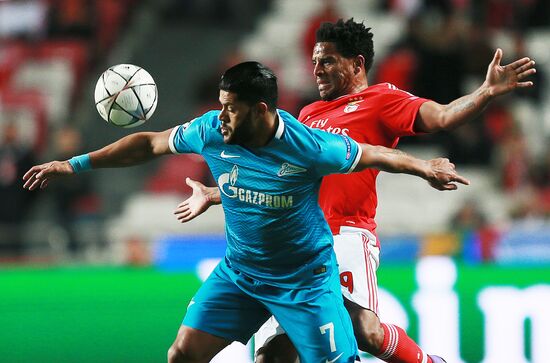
(440,173)
(500,80)
(130,150)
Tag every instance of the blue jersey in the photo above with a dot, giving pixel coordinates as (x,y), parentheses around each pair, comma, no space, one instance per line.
(275,229)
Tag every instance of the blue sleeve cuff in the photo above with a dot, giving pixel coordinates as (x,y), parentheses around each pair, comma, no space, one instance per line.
(81,163)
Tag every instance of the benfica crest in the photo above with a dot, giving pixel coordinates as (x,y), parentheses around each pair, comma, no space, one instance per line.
(352,106)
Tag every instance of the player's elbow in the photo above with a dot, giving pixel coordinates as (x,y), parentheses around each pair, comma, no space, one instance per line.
(159,143)
(432,117)
(439,122)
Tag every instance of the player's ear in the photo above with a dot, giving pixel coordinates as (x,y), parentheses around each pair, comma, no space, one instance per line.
(358,63)
(261,108)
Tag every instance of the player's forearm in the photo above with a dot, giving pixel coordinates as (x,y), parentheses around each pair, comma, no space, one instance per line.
(433,117)
(393,161)
(466,108)
(130,150)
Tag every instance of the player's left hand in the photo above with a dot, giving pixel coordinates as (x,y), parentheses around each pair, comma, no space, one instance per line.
(444,176)
(196,204)
(40,175)
(503,79)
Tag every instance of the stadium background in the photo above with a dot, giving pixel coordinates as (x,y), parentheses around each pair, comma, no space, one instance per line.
(96,268)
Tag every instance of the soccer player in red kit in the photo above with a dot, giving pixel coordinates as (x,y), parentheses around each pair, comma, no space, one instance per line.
(379,114)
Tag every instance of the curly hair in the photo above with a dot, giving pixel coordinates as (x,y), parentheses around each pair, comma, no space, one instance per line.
(351,39)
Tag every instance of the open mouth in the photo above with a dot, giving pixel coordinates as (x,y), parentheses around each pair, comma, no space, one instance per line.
(322,84)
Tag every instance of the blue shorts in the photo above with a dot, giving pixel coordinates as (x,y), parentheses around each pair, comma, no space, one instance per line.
(234,306)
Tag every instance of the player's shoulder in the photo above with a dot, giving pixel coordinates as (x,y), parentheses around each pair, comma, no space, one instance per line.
(296,132)
(211,117)
(313,105)
(383,88)
(208,120)
(291,125)
(311,108)
(389,89)
(307,137)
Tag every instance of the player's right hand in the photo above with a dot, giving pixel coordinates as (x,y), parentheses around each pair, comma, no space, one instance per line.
(201,199)
(40,175)
(443,175)
(502,79)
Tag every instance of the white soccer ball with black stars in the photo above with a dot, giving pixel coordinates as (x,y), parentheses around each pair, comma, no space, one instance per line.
(126,95)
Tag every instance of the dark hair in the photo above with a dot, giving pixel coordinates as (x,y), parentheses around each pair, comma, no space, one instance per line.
(252,82)
(351,39)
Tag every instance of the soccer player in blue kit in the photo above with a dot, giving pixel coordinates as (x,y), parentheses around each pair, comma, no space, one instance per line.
(279,258)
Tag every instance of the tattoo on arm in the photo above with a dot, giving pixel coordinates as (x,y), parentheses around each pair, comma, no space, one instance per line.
(398,152)
(463,106)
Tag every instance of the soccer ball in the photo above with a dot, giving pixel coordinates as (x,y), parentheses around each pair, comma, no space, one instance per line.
(126,95)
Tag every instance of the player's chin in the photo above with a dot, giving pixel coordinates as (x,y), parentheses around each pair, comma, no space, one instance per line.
(325,94)
(228,139)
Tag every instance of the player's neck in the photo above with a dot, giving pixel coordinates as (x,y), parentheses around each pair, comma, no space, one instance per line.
(265,130)
(354,88)
(359,85)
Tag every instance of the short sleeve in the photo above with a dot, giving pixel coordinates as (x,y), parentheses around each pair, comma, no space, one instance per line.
(338,154)
(398,110)
(190,137)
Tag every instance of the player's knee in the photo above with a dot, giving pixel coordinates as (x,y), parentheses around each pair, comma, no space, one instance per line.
(279,350)
(264,355)
(261,356)
(181,352)
(370,340)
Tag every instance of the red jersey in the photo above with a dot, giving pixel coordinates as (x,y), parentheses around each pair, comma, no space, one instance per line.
(379,115)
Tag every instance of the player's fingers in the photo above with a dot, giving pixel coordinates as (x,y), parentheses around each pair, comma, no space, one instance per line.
(187,219)
(436,185)
(524,84)
(460,179)
(183,204)
(179,217)
(527,73)
(497,57)
(31,172)
(181,209)
(29,181)
(35,183)
(184,215)
(192,183)
(44,184)
(526,66)
(519,63)
(450,186)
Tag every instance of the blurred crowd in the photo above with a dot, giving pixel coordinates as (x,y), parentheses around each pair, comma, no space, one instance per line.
(47,49)
(445,52)
(442,54)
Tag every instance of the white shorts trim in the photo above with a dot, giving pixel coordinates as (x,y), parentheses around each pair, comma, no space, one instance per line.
(358,259)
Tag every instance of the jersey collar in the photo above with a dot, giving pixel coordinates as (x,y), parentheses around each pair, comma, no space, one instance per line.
(280,127)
